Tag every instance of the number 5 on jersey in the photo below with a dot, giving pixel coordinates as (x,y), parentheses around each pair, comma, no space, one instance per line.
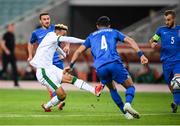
(172,40)
(103,43)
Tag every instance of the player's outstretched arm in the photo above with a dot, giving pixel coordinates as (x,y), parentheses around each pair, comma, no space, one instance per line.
(70,39)
(75,56)
(30,51)
(134,45)
(77,53)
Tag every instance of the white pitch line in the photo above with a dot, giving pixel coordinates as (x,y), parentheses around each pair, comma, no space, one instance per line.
(38,116)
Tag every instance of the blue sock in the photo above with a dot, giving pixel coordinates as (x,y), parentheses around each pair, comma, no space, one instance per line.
(176,96)
(130,91)
(117,99)
(54,94)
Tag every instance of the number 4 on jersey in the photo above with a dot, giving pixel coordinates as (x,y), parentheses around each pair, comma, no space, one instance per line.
(103,43)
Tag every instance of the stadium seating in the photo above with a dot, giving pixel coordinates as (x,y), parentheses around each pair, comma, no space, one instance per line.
(143,30)
(11,9)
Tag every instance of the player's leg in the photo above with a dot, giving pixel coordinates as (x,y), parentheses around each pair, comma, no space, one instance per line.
(116,97)
(176,73)
(121,76)
(106,79)
(130,90)
(60,65)
(176,94)
(52,94)
(60,96)
(68,78)
(129,94)
(118,101)
(168,75)
(49,79)
(176,91)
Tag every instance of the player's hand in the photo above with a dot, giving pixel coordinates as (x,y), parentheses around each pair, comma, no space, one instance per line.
(29,58)
(154,44)
(67,70)
(144,60)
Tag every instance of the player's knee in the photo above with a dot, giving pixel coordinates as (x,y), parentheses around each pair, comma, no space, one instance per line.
(60,93)
(62,96)
(128,83)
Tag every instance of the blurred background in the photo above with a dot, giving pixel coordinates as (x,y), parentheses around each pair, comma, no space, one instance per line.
(136,18)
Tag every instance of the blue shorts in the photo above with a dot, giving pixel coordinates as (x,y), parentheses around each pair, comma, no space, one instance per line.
(112,71)
(169,70)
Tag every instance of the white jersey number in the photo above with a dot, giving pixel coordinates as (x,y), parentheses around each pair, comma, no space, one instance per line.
(172,40)
(103,43)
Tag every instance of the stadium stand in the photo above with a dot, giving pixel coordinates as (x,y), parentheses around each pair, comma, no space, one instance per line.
(25,15)
(17,8)
(142,30)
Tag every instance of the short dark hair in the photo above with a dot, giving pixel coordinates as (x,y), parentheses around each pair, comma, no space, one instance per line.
(171,12)
(42,14)
(103,21)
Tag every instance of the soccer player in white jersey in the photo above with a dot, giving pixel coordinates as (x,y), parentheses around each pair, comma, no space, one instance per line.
(51,76)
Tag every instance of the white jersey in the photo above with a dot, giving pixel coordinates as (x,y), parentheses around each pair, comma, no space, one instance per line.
(48,46)
(45,51)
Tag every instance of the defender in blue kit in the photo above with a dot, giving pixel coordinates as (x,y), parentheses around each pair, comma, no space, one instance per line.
(108,64)
(169,36)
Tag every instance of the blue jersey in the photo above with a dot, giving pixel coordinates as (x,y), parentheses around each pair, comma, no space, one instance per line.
(103,44)
(170,43)
(38,35)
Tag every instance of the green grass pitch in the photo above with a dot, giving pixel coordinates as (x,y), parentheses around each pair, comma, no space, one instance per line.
(22,107)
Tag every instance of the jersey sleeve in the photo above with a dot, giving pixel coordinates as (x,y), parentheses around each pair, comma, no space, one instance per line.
(61,52)
(157,34)
(120,36)
(33,38)
(87,43)
(69,39)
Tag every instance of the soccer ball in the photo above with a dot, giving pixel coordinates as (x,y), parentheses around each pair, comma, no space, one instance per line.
(175,82)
